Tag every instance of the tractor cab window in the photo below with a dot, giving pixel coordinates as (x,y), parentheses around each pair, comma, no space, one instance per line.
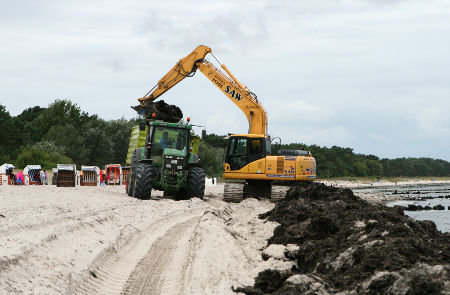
(166,137)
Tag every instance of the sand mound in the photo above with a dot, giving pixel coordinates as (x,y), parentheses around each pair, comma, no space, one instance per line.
(346,244)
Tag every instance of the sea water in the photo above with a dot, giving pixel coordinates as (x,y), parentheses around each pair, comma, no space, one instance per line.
(419,194)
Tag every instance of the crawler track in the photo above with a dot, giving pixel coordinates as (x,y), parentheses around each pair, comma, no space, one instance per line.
(278,193)
(233,192)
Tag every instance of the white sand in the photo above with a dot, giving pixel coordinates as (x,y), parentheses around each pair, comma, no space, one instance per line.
(97,240)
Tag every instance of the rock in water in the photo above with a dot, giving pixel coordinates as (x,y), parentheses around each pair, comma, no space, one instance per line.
(163,111)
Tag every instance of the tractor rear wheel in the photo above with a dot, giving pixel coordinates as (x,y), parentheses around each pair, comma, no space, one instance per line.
(142,187)
(196,183)
(127,185)
(132,175)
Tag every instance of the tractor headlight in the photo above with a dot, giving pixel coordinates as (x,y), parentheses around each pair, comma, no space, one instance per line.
(180,158)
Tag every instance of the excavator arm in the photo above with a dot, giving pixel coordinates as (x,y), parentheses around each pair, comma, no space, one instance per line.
(226,82)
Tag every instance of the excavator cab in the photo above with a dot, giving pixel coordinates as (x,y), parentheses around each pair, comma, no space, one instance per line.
(252,170)
(244,149)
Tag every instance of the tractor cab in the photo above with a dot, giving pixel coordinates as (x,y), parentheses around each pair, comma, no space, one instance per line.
(167,141)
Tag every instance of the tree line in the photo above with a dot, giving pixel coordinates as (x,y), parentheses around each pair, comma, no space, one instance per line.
(64,134)
(343,162)
(61,134)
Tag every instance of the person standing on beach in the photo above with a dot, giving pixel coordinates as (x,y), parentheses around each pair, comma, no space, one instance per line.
(42,176)
(19,178)
(13,178)
(46,177)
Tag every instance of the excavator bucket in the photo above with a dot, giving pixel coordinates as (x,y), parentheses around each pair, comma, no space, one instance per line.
(159,110)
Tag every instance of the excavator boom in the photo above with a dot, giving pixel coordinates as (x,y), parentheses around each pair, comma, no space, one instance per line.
(185,67)
(226,82)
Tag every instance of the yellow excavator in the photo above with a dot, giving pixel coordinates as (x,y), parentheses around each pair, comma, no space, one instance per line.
(250,168)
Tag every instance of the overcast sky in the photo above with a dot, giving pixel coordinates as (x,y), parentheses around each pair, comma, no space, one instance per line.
(372,75)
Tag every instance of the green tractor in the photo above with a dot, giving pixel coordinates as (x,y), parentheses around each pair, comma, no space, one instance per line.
(163,156)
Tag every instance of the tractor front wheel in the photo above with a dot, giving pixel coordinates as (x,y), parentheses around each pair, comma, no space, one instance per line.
(196,182)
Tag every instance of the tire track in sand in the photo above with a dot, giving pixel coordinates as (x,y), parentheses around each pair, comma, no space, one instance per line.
(119,268)
(25,252)
(162,269)
(38,226)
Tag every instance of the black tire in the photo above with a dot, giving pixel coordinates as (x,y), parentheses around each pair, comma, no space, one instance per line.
(196,183)
(132,175)
(182,194)
(142,187)
(129,185)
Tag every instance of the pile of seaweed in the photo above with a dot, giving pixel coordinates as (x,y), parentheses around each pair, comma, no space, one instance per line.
(348,246)
(162,110)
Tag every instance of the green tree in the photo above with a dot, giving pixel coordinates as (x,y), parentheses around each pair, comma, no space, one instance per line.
(98,146)
(361,168)
(26,122)
(215,141)
(10,136)
(119,132)
(69,137)
(211,159)
(60,112)
(374,168)
(34,156)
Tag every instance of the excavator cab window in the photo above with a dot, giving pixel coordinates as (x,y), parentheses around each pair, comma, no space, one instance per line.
(237,153)
(241,151)
(268,146)
(255,146)
(240,147)
(257,149)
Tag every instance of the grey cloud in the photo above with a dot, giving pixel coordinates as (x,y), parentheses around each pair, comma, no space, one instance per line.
(114,64)
(228,32)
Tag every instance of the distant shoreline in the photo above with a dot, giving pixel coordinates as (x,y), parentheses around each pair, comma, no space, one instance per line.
(362,187)
(381,182)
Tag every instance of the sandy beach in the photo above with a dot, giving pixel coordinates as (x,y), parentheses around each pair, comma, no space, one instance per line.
(97,240)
